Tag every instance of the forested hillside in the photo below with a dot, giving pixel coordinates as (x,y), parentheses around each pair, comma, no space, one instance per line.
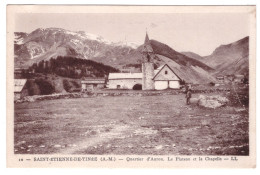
(72,67)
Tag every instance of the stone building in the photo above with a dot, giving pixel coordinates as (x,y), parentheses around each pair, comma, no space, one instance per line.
(92,84)
(20,89)
(147,65)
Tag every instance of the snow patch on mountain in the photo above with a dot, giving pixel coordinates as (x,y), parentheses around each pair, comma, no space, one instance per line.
(76,41)
(18,41)
(88,36)
(126,44)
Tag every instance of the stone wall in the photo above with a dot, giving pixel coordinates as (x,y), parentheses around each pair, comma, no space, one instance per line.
(17,96)
(91,87)
(148,74)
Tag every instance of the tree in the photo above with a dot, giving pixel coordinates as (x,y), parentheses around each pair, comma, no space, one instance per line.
(73,67)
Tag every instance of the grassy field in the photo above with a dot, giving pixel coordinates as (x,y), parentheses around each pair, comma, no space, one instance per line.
(158,125)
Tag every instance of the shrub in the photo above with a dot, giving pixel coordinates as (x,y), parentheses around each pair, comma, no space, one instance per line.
(182,82)
(239,96)
(33,88)
(76,84)
(67,86)
(212,84)
(45,86)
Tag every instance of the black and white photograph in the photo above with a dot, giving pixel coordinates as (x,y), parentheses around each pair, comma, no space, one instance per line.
(145,82)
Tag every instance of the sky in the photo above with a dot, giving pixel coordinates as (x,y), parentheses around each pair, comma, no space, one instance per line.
(200,33)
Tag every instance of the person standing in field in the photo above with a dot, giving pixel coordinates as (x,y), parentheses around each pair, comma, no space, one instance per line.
(188,96)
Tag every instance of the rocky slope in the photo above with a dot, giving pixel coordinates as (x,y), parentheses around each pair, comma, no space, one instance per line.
(229,59)
(193,55)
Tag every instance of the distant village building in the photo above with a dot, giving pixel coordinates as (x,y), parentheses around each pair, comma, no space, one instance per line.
(229,78)
(239,78)
(20,73)
(220,79)
(92,84)
(20,89)
(235,78)
(162,78)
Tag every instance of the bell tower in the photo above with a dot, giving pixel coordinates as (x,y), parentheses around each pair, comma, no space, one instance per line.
(147,65)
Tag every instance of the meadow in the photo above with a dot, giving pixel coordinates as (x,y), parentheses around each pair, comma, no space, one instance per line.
(128,125)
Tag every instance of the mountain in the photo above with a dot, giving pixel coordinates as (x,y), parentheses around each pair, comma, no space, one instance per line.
(230,59)
(193,55)
(42,44)
(19,37)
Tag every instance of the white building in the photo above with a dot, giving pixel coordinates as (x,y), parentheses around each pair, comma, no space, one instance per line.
(164,78)
(124,80)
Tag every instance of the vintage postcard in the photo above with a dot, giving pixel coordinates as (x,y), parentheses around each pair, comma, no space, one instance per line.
(131,86)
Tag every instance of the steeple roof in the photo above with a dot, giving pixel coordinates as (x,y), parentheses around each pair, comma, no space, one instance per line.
(147,48)
(147,40)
